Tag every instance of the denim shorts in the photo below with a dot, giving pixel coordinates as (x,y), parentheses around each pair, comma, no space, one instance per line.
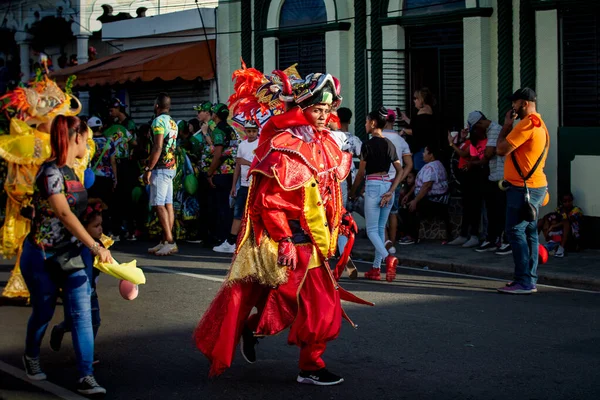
(161,187)
(240,202)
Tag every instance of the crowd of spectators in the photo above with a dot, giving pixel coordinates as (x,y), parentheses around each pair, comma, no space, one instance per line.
(470,168)
(213,160)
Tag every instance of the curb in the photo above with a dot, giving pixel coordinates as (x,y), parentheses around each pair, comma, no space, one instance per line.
(544,277)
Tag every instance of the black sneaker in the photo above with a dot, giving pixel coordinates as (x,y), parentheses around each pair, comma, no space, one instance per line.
(504,250)
(247,345)
(486,246)
(56,337)
(33,370)
(88,385)
(321,377)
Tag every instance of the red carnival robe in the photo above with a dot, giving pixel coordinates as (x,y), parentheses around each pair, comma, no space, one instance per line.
(295,177)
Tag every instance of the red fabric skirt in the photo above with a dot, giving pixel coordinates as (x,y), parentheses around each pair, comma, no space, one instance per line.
(309,303)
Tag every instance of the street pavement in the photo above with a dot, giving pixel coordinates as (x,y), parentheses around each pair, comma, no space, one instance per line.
(576,270)
(431,335)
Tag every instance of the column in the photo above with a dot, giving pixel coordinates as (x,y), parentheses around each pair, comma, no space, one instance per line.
(270,54)
(476,62)
(82,47)
(547,90)
(337,59)
(84,99)
(23,39)
(228,49)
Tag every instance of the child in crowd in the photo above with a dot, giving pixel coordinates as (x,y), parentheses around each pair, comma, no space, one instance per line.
(92,221)
(104,166)
(245,155)
(406,190)
(561,227)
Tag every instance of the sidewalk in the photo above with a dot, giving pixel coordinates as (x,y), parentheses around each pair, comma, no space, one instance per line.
(575,270)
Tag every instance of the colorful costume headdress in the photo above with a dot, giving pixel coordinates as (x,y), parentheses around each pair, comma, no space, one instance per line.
(258,96)
(41,101)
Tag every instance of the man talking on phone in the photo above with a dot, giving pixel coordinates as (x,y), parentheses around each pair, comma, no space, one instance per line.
(526,147)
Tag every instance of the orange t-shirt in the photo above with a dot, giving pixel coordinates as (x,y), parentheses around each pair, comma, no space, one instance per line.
(529,139)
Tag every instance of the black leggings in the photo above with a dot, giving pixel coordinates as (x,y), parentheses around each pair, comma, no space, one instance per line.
(472,186)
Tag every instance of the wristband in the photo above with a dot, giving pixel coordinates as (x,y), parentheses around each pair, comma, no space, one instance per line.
(95,248)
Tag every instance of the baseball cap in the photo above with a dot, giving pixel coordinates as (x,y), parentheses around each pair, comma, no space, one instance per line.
(116,103)
(250,124)
(473,118)
(204,106)
(525,93)
(94,122)
(221,110)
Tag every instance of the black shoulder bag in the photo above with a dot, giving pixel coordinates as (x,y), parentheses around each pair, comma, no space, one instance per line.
(528,211)
(65,258)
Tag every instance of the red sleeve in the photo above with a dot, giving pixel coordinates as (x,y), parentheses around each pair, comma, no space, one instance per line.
(275,206)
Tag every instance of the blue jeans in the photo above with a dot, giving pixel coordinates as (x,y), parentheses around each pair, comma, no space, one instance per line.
(523,235)
(43,290)
(239,207)
(88,260)
(376,217)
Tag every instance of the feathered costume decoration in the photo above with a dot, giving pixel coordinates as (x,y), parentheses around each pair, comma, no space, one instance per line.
(258,96)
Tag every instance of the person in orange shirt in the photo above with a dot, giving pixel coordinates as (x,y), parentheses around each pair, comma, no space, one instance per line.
(525,144)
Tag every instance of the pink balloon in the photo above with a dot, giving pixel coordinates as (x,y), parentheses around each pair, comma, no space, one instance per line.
(128,290)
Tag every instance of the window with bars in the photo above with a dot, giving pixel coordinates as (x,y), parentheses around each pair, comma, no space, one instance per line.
(307,50)
(580,36)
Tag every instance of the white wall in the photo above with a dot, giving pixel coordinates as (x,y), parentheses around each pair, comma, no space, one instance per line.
(160,24)
(547,89)
(584,184)
(229,47)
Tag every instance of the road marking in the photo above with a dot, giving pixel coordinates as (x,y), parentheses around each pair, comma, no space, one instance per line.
(44,385)
(212,278)
(483,277)
(191,275)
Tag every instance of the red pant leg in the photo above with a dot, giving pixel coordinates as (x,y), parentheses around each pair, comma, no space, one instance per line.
(310,356)
(319,318)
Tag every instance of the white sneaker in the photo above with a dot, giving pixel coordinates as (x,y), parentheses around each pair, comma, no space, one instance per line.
(459,241)
(390,247)
(225,247)
(560,252)
(167,249)
(156,248)
(472,242)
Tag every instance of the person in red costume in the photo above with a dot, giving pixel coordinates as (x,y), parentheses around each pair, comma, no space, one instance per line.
(293,217)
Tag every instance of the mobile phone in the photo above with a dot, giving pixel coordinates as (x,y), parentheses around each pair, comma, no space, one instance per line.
(513,113)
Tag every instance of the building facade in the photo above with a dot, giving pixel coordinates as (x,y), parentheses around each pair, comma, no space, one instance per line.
(471,53)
